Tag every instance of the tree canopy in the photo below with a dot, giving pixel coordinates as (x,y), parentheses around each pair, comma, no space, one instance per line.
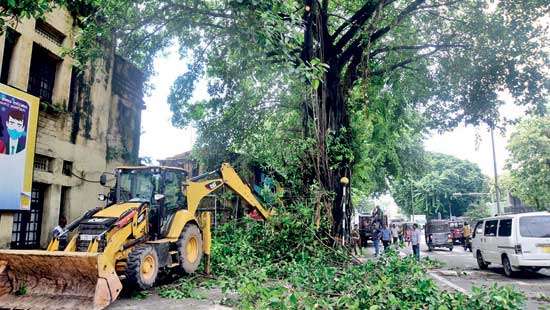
(318,90)
(435,190)
(529,162)
(325,89)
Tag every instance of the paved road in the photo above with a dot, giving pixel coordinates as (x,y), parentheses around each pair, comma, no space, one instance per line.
(460,272)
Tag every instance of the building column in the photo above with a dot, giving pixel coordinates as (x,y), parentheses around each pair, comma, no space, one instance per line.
(19,70)
(6,225)
(62,85)
(2,44)
(50,213)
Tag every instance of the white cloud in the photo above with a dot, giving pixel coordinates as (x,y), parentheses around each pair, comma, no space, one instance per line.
(159,139)
(461,142)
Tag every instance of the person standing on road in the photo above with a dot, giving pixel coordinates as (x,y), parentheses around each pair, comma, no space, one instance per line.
(386,237)
(376,234)
(415,241)
(356,239)
(467,234)
(394,233)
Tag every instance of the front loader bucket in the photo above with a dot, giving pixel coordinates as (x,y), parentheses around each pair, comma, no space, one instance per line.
(33,279)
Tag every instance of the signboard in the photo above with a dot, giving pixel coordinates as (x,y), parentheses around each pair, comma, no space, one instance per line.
(18,123)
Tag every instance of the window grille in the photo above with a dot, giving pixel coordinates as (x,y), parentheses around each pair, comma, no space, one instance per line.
(42,163)
(42,73)
(49,32)
(67,168)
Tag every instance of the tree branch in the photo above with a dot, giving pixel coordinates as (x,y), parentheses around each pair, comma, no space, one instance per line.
(356,22)
(357,46)
(414,47)
(408,10)
(440,4)
(194,10)
(404,63)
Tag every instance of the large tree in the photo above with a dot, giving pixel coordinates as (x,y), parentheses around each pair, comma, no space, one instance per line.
(529,162)
(349,70)
(447,185)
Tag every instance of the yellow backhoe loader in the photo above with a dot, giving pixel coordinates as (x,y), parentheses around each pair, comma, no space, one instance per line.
(153,223)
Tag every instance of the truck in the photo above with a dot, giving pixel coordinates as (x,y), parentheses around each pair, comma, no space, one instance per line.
(367,224)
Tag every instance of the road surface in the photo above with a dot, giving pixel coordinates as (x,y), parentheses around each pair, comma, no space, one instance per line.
(460,272)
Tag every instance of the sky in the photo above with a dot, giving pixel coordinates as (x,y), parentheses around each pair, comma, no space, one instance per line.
(159,139)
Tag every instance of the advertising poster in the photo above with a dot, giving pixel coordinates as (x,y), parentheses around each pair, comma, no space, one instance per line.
(18,123)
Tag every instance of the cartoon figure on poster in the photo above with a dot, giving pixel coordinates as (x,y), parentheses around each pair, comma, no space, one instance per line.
(14,120)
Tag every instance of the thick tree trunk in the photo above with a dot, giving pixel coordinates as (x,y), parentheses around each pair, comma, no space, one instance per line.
(329,116)
(332,118)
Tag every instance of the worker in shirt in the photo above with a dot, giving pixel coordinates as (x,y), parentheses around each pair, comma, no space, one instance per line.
(59,232)
(386,237)
(415,241)
(394,233)
(467,235)
(356,240)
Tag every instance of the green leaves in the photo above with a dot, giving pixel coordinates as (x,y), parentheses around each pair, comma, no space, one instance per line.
(286,264)
(431,191)
(184,288)
(529,162)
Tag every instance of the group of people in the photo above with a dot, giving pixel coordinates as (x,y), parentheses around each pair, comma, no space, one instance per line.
(388,235)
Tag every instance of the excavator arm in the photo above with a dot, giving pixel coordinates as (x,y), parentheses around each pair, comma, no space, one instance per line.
(197,188)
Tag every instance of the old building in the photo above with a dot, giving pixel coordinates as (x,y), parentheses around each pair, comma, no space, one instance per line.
(184,160)
(89,122)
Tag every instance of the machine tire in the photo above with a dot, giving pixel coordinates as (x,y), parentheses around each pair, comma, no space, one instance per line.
(142,267)
(190,248)
(507,267)
(480,261)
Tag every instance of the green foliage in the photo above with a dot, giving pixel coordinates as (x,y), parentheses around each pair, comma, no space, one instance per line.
(399,68)
(286,264)
(529,162)
(25,9)
(140,295)
(432,191)
(22,290)
(184,288)
(478,211)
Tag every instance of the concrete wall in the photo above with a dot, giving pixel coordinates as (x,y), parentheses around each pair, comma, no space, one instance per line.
(86,132)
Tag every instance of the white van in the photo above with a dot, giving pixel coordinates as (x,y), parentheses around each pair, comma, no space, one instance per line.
(517,241)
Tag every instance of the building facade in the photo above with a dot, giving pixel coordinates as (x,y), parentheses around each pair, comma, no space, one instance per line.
(184,160)
(89,122)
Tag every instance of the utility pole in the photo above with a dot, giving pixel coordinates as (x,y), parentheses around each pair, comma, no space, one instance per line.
(412,202)
(497,193)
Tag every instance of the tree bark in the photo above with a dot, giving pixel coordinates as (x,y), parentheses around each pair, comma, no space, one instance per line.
(329,115)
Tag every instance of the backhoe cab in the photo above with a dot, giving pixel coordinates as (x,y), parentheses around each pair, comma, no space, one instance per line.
(160,187)
(152,222)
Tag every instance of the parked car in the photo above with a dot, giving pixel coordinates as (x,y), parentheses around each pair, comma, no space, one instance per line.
(438,235)
(517,241)
(456,230)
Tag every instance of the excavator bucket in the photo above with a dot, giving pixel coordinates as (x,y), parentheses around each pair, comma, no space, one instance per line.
(33,279)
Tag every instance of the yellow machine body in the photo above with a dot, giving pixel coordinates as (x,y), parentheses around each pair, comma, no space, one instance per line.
(90,277)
